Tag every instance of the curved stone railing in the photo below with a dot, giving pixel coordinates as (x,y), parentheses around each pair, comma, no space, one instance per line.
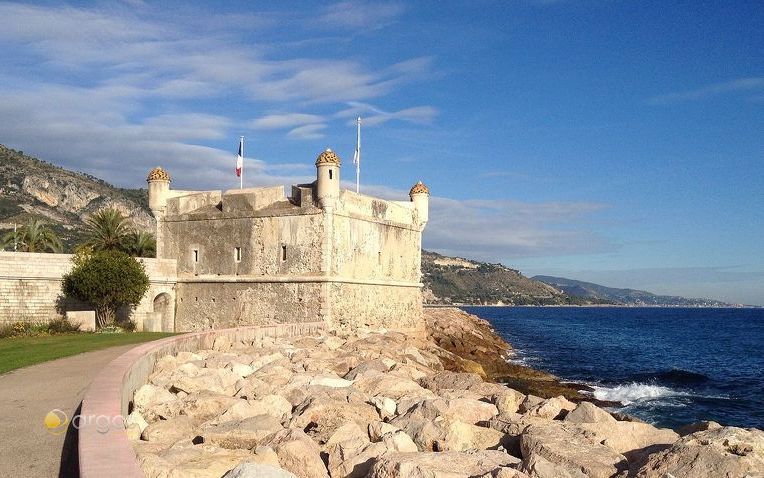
(104,449)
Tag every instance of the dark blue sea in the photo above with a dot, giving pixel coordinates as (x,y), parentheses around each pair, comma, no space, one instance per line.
(668,366)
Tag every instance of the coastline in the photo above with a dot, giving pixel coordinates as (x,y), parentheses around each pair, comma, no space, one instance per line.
(476,343)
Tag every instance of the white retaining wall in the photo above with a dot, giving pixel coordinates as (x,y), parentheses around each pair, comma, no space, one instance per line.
(30,286)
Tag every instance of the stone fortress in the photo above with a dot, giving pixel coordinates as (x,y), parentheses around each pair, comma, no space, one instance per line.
(256,256)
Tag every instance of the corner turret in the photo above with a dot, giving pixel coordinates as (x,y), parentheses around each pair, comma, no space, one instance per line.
(159,188)
(327,178)
(420,196)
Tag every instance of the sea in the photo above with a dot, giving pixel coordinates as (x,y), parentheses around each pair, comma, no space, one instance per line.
(667,366)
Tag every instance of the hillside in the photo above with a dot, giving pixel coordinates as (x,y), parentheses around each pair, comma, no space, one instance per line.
(452,280)
(30,187)
(623,296)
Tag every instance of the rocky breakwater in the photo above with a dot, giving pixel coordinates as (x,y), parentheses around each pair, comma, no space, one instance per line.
(387,404)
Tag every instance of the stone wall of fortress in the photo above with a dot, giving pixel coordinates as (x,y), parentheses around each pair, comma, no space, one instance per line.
(30,286)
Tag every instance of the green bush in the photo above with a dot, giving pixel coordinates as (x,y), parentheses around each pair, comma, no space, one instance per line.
(34,329)
(107,280)
(61,326)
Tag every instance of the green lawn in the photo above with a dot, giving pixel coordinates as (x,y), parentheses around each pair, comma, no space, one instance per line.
(17,352)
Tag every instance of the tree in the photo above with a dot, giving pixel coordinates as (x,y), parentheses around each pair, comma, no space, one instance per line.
(34,236)
(107,230)
(141,244)
(107,280)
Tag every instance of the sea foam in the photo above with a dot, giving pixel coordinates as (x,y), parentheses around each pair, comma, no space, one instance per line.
(633,392)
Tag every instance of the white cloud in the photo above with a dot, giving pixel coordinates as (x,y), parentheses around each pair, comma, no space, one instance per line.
(308,131)
(737,85)
(360,15)
(373,116)
(285,120)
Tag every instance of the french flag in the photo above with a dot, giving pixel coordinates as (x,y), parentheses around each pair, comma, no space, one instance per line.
(240,158)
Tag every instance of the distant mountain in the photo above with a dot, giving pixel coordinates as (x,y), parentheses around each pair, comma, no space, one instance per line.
(454,280)
(623,296)
(30,187)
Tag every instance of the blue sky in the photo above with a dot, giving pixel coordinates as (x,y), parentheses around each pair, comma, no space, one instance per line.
(613,141)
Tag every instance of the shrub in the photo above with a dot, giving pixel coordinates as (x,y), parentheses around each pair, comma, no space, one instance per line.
(61,326)
(107,280)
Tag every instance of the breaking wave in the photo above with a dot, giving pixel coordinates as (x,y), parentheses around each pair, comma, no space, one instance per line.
(634,392)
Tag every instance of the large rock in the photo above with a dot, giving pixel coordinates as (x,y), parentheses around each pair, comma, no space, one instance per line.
(556,450)
(245,434)
(625,437)
(206,405)
(274,405)
(389,386)
(587,412)
(508,401)
(257,470)
(322,416)
(461,436)
(550,408)
(450,381)
(169,431)
(722,452)
(470,410)
(298,453)
(149,396)
(447,464)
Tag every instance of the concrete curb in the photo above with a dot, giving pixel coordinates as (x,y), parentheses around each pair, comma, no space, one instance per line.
(110,453)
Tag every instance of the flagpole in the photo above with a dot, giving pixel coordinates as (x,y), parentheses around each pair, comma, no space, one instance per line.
(358,158)
(241,176)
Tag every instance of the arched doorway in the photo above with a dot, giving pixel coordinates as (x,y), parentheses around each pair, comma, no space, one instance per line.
(164,304)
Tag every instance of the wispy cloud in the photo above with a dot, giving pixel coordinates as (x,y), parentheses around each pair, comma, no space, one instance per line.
(285,120)
(309,131)
(361,15)
(373,116)
(489,229)
(90,88)
(751,84)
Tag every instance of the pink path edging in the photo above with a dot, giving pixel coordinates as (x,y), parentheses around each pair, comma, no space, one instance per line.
(110,393)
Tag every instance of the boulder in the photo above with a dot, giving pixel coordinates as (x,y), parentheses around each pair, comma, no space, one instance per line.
(469,410)
(245,434)
(257,470)
(450,380)
(461,436)
(242,370)
(274,405)
(169,431)
(550,408)
(329,381)
(206,405)
(149,396)
(508,401)
(379,365)
(697,427)
(379,429)
(447,464)
(722,452)
(321,416)
(385,406)
(558,450)
(587,412)
(298,454)
(625,437)
(529,402)
(388,386)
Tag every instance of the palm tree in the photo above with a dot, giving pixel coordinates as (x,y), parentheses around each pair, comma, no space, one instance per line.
(34,236)
(142,244)
(106,230)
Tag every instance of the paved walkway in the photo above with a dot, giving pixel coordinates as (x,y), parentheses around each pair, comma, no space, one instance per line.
(26,397)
